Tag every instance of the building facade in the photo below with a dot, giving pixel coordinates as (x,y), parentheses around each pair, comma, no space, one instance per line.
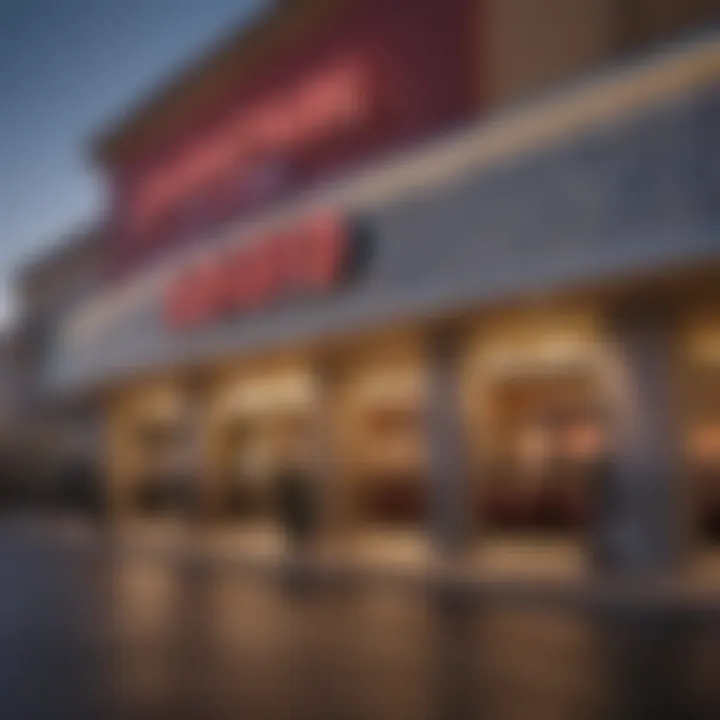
(47,430)
(460,319)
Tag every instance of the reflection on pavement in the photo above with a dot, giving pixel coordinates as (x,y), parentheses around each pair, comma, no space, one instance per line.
(88,632)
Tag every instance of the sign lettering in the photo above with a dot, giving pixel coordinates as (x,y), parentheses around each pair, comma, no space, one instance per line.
(306,260)
(334,102)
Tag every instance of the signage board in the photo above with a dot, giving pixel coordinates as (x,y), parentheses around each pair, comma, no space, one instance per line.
(334,102)
(304,260)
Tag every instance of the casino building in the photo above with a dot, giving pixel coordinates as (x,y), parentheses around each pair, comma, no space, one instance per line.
(461,272)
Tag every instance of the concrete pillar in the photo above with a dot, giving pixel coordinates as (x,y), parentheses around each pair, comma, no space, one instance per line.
(118,459)
(196,454)
(640,528)
(324,458)
(449,495)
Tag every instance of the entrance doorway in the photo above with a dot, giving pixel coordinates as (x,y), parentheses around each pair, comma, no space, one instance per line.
(164,485)
(542,468)
(390,482)
(263,459)
(256,451)
(382,496)
(246,470)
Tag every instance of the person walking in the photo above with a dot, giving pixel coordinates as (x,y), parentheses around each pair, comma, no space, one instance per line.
(297,504)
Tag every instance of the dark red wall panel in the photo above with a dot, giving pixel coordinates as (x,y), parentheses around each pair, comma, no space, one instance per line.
(420,57)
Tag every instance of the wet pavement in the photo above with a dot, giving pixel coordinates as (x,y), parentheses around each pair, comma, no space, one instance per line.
(90,632)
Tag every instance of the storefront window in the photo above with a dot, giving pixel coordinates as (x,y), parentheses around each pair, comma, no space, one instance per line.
(248,468)
(705,454)
(163,484)
(393,484)
(548,443)
(703,450)
(259,452)
(379,402)
(263,434)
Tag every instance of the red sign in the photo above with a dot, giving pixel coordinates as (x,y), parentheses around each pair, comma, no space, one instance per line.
(331,103)
(372,78)
(305,260)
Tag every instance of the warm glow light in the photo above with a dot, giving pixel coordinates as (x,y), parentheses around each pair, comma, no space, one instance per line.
(320,108)
(552,351)
(263,394)
(392,386)
(560,349)
(705,345)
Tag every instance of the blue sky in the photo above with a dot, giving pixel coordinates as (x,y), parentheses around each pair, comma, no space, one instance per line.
(67,69)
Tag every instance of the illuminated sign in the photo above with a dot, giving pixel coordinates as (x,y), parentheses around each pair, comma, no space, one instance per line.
(305,260)
(333,102)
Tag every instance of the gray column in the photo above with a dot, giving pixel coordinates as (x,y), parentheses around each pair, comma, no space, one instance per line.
(195,453)
(450,497)
(640,512)
(324,452)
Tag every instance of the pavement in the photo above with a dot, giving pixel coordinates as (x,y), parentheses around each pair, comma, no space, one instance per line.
(402,565)
(94,628)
